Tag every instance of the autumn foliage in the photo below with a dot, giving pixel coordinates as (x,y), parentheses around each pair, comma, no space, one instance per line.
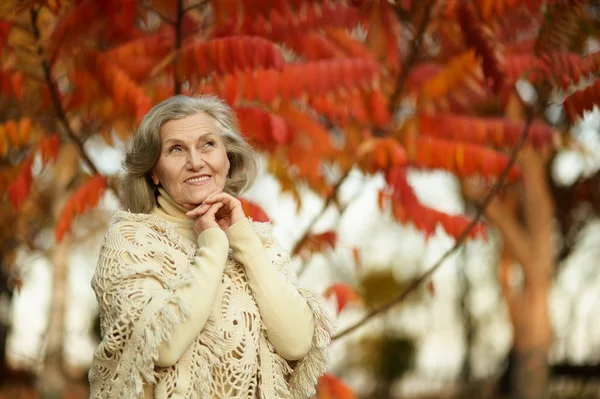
(382,87)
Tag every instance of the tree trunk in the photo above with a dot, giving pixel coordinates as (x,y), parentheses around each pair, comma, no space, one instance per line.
(54,380)
(525,220)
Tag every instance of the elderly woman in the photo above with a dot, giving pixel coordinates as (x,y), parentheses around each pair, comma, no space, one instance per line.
(196,300)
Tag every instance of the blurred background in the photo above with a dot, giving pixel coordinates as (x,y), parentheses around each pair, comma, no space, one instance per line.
(432,166)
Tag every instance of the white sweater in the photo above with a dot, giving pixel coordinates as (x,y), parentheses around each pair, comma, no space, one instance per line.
(212,317)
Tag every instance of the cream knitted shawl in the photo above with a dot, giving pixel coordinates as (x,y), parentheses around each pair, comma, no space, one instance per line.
(227,359)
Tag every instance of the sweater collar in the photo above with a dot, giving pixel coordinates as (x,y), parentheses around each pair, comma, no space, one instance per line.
(167,209)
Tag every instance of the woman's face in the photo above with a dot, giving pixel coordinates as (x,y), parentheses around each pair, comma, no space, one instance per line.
(193,160)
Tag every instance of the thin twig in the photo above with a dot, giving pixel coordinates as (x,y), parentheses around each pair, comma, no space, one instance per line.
(178,40)
(459,242)
(412,55)
(343,209)
(60,112)
(332,195)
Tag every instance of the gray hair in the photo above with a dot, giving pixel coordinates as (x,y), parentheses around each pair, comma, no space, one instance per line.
(137,189)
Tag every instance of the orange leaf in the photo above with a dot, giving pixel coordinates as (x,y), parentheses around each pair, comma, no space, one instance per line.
(406,207)
(331,387)
(19,189)
(85,198)
(254,211)
(344,294)
(263,128)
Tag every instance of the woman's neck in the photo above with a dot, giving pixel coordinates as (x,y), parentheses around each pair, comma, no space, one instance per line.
(171,211)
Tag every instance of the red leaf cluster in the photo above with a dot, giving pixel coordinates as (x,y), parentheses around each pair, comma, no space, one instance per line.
(496,132)
(295,81)
(463,159)
(407,208)
(282,21)
(228,55)
(263,128)
(124,91)
(11,83)
(85,198)
(482,39)
(380,154)
(583,100)
(15,134)
(20,188)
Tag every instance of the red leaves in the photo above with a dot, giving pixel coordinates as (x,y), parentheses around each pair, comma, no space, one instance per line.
(230,54)
(253,211)
(125,92)
(15,134)
(384,34)
(316,243)
(407,208)
(318,77)
(582,100)
(11,83)
(85,198)
(344,295)
(19,189)
(377,154)
(295,81)
(266,130)
(279,23)
(496,132)
(331,387)
(482,39)
(463,159)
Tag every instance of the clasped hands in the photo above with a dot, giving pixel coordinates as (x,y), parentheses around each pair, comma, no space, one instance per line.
(219,210)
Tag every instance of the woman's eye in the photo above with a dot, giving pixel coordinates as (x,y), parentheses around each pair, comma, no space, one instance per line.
(174,149)
(209,143)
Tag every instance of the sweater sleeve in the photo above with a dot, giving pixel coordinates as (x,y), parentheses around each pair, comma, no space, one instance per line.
(286,314)
(206,271)
(150,310)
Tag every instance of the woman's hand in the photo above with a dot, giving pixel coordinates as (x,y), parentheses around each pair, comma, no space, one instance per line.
(229,213)
(207,219)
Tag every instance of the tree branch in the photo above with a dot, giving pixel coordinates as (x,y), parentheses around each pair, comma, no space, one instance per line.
(332,195)
(412,55)
(178,39)
(459,242)
(56,102)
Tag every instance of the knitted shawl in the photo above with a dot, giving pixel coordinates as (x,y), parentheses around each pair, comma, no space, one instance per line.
(227,359)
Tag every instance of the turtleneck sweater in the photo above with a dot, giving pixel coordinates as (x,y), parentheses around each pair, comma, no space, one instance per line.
(288,319)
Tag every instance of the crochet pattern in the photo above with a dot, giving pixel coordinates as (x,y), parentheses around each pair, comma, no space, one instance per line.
(231,357)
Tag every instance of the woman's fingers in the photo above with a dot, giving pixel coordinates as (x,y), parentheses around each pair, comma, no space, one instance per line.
(212,211)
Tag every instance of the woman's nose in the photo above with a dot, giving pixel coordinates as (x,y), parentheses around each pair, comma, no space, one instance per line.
(195,161)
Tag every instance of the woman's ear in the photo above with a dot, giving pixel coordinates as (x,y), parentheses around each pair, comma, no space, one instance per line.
(155,179)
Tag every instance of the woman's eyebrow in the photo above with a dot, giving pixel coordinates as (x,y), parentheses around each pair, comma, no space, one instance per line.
(179,141)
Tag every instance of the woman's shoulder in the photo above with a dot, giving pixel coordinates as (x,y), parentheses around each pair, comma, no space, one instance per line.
(264,231)
(138,229)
